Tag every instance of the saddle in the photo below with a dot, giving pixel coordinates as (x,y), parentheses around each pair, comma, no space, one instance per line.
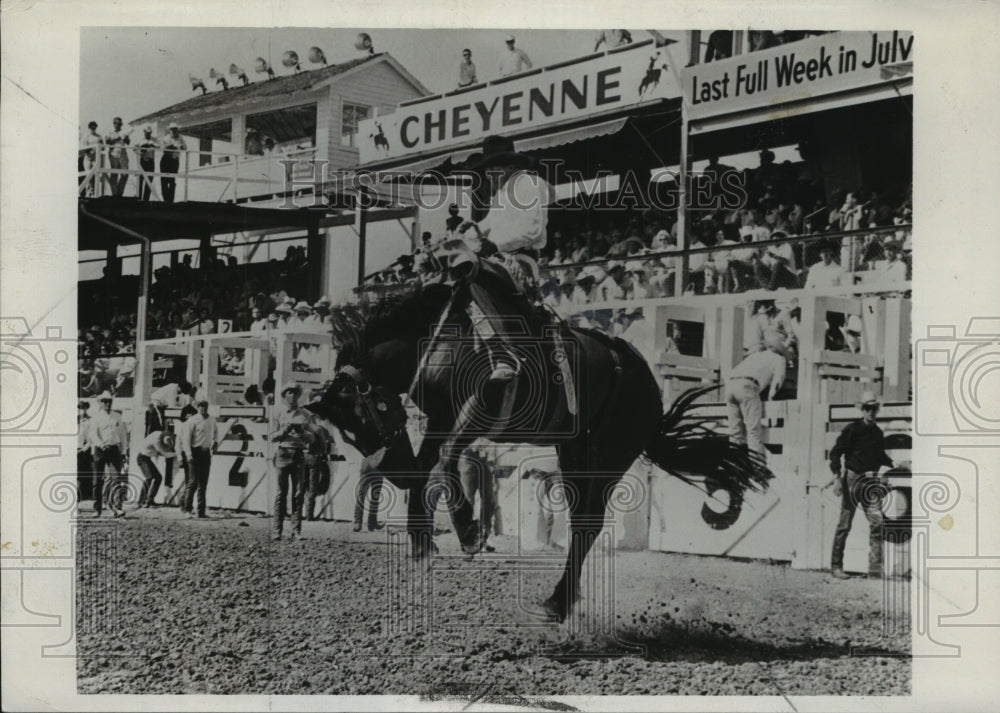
(508,286)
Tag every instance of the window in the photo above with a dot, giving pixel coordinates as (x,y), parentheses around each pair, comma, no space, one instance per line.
(353,115)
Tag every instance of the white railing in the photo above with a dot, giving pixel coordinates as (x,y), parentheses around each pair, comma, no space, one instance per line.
(227,178)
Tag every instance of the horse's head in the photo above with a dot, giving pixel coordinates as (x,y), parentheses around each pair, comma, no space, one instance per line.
(371,416)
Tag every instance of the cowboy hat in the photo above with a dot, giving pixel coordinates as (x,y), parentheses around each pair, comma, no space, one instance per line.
(591,272)
(290,386)
(868,398)
(498,151)
(167,440)
(303,306)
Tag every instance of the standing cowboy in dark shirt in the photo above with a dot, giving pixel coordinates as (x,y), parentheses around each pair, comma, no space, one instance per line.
(862,446)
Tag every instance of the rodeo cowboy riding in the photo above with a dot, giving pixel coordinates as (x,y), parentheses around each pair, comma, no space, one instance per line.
(497,255)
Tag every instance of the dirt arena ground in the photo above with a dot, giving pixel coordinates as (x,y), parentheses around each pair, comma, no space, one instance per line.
(170,605)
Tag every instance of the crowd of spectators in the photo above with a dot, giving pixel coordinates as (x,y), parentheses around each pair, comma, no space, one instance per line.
(221,295)
(605,256)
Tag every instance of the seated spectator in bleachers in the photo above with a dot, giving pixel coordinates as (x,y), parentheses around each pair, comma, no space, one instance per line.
(750,226)
(258,325)
(894,268)
(639,287)
(776,266)
(826,272)
(721,259)
(284,312)
(301,320)
(321,315)
(206,325)
(701,270)
(587,278)
(611,287)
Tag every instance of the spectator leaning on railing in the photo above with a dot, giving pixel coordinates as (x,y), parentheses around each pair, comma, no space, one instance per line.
(148,147)
(826,272)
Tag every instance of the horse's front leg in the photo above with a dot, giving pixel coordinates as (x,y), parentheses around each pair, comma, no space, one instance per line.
(447,458)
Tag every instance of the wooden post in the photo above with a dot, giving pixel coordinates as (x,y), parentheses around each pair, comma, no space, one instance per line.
(361,225)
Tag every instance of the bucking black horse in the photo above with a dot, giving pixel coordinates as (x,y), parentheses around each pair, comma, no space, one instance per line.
(590,396)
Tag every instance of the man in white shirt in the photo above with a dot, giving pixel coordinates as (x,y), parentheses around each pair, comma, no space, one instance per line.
(292,438)
(258,325)
(826,272)
(321,315)
(173,395)
(894,269)
(158,444)
(118,156)
(610,288)
(108,441)
(613,38)
(512,59)
(517,220)
(199,439)
(84,460)
(302,320)
(759,372)
(284,311)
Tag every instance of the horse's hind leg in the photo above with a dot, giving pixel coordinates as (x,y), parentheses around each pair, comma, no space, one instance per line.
(591,482)
(586,519)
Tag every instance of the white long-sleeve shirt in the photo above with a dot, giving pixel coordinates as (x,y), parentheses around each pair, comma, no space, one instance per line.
(512,61)
(199,433)
(823,275)
(766,368)
(107,429)
(168,395)
(520,214)
(151,447)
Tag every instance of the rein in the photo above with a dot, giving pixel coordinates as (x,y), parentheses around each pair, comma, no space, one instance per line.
(376,409)
(430,346)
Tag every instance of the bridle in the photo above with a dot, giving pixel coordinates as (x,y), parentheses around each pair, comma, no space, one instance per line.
(376,408)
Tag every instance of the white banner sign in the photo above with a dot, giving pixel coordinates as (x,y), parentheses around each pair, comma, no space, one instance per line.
(576,91)
(835,62)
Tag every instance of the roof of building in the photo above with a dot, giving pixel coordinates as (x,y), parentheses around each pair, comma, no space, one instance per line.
(172,221)
(264,88)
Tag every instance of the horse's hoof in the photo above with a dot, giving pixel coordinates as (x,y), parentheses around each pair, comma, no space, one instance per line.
(477,542)
(548,613)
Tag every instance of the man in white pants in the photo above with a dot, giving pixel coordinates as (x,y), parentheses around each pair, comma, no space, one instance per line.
(764,370)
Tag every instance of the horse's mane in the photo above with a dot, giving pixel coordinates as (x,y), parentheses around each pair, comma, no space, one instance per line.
(405,315)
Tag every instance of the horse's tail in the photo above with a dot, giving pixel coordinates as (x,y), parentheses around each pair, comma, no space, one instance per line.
(686,449)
